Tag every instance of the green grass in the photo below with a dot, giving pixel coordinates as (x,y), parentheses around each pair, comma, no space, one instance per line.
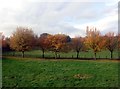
(31,72)
(89,54)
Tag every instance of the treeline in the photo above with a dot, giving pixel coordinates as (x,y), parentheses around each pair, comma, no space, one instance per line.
(24,39)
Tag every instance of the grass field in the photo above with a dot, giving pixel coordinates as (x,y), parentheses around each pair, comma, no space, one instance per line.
(89,54)
(31,72)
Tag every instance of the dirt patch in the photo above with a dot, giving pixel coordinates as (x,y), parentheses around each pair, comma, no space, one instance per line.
(82,76)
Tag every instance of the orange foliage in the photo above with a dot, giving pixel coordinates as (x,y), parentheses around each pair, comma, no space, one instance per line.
(94,40)
(111,42)
(57,42)
(22,39)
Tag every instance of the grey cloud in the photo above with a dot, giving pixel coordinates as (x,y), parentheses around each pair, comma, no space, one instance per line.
(53,17)
(113,27)
(54,11)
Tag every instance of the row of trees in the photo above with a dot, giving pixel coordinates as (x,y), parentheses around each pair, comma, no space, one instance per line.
(24,39)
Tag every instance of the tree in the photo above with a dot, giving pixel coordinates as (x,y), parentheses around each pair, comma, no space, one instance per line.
(111,42)
(43,43)
(118,37)
(93,40)
(22,39)
(58,42)
(78,44)
(4,43)
(0,42)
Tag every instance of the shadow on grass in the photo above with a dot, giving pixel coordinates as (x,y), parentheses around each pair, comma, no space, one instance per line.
(63,58)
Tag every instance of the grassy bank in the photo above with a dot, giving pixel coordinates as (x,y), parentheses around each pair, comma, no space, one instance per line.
(31,72)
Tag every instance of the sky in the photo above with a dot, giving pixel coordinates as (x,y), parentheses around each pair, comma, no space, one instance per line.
(70,17)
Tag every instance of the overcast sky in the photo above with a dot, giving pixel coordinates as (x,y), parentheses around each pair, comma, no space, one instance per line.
(59,16)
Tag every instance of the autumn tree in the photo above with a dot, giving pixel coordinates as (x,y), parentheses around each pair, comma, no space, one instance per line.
(78,44)
(118,37)
(111,42)
(44,43)
(58,43)
(66,45)
(22,39)
(93,40)
(0,39)
(4,43)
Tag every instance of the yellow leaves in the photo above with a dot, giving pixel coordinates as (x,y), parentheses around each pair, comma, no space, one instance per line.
(82,76)
(22,39)
(53,42)
(57,42)
(94,40)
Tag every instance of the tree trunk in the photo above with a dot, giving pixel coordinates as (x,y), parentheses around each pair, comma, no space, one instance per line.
(95,55)
(55,55)
(13,53)
(111,54)
(59,55)
(43,53)
(77,54)
(23,54)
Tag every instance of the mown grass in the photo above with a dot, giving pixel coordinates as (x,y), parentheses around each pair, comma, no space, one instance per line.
(50,54)
(31,72)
